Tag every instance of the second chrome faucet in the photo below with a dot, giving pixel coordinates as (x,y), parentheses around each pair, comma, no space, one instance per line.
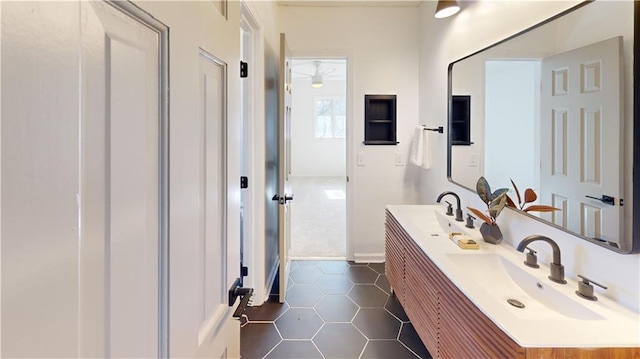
(458,207)
(557,269)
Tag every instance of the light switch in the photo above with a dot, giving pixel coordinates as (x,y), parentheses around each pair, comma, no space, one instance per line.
(473,160)
(399,159)
(361,159)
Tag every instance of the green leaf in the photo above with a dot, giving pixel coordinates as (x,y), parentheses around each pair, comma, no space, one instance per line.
(499,206)
(483,189)
(499,192)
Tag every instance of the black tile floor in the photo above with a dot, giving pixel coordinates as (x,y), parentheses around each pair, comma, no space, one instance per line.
(334,309)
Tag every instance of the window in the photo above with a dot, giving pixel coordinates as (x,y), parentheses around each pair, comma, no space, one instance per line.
(330,117)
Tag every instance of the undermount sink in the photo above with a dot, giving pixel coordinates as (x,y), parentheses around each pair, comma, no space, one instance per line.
(503,280)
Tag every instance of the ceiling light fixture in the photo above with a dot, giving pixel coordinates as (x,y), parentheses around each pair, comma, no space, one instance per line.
(446,8)
(316,79)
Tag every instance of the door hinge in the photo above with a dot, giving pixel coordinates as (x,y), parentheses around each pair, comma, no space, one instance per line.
(347,179)
(244,271)
(244,69)
(244,182)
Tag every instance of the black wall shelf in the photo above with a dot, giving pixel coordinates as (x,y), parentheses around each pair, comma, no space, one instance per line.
(461,120)
(380,120)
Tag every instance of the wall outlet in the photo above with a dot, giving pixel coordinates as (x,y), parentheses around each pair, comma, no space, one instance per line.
(399,159)
(361,159)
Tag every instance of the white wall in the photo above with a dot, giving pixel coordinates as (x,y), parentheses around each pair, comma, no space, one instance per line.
(511,104)
(477,26)
(311,156)
(382,45)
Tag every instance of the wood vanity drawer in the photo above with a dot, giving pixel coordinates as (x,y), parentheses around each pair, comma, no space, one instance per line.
(465,332)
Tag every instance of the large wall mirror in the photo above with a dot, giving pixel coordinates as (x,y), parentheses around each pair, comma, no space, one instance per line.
(552,108)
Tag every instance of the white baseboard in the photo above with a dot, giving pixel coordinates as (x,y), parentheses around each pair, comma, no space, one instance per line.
(368,257)
(318,258)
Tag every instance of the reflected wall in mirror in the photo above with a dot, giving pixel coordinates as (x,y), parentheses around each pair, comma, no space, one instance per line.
(553,109)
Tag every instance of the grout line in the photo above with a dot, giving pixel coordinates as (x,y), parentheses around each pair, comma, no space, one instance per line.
(364,347)
(409,349)
(261,322)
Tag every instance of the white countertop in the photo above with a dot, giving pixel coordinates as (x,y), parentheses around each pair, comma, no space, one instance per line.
(620,327)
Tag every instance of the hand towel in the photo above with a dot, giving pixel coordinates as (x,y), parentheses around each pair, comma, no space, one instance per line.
(420,154)
(426,152)
(417,147)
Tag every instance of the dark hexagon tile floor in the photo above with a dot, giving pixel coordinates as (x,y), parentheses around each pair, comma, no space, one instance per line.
(334,284)
(334,309)
(340,340)
(303,295)
(368,296)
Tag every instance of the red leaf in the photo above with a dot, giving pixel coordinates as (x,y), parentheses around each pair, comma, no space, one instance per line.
(517,192)
(529,195)
(481,215)
(510,202)
(541,208)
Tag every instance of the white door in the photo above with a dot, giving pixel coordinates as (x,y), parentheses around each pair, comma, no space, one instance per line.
(120,184)
(205,171)
(284,150)
(218,265)
(581,110)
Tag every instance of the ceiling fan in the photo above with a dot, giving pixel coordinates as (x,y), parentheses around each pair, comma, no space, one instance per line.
(315,70)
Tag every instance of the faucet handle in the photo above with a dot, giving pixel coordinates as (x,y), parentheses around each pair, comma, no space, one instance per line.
(470,219)
(532,258)
(585,288)
(449,208)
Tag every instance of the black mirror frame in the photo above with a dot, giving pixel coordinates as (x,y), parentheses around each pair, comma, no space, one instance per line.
(635,245)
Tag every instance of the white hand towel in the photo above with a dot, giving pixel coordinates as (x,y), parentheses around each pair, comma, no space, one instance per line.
(426,152)
(417,146)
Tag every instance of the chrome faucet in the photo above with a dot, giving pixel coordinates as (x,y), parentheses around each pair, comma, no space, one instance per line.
(557,269)
(458,209)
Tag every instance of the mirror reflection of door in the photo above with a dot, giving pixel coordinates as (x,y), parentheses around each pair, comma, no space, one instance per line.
(318,168)
(581,119)
(479,76)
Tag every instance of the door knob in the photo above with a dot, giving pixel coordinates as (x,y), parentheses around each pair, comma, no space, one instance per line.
(236,291)
(282,200)
(604,199)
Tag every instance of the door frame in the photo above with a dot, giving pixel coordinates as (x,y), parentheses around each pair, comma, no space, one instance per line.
(349,148)
(163,216)
(254,143)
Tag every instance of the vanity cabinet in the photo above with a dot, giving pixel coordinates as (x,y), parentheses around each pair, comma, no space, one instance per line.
(448,323)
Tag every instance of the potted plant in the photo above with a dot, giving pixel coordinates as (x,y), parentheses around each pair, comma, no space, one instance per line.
(495,201)
(529,197)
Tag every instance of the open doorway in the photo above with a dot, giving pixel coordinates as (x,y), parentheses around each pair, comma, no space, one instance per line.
(318,158)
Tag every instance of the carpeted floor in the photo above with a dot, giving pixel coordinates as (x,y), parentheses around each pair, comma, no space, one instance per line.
(318,217)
